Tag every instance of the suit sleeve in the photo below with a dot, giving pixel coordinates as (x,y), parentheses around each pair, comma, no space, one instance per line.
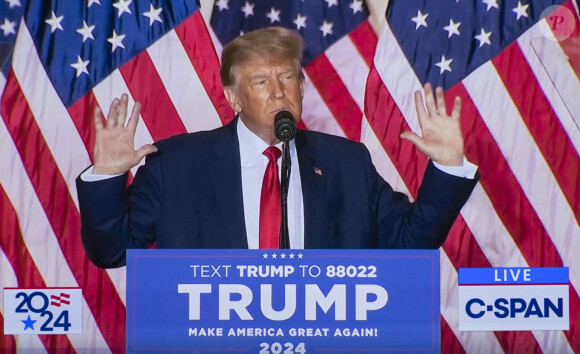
(425,222)
(115,218)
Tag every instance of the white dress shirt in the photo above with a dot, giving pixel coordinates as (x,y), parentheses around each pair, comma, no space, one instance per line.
(254,164)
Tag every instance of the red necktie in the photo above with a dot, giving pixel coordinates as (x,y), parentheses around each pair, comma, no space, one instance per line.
(270,208)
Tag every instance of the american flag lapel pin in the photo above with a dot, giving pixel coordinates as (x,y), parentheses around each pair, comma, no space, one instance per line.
(317,171)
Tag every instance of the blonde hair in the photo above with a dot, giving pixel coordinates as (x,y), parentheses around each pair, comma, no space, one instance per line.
(276,43)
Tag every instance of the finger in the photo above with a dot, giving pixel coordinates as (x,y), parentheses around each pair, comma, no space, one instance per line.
(441,109)
(420,107)
(430,100)
(415,140)
(146,150)
(134,119)
(412,137)
(456,112)
(98,119)
(122,116)
(112,116)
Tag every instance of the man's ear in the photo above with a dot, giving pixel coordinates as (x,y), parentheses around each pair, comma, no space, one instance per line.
(232,98)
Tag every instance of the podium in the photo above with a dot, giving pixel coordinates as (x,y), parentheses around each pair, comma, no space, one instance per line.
(283,301)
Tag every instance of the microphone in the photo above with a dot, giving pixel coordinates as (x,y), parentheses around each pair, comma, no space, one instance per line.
(284,126)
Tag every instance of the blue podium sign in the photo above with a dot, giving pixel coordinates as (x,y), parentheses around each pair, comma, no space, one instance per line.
(291,301)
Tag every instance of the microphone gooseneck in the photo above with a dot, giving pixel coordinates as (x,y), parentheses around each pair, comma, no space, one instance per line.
(284,126)
(285,130)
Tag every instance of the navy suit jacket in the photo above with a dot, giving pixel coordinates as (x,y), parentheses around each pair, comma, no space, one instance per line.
(189,195)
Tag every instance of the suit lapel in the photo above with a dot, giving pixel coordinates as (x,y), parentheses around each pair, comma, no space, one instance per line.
(226,178)
(314,186)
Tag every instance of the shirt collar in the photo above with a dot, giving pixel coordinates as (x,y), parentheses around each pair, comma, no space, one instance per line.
(251,146)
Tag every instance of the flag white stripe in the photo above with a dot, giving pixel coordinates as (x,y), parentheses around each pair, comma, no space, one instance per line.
(9,281)
(350,67)
(39,237)
(398,76)
(489,232)
(183,85)
(316,114)
(562,88)
(381,160)
(57,128)
(530,169)
(472,342)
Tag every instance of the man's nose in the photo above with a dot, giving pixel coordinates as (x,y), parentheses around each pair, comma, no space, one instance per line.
(277,89)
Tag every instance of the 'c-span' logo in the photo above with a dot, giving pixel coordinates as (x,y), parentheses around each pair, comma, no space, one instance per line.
(43,311)
(504,299)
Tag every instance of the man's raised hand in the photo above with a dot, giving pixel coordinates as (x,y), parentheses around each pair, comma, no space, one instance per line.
(114,151)
(441,140)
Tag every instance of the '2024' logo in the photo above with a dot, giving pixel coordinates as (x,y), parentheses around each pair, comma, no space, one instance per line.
(31,302)
(43,311)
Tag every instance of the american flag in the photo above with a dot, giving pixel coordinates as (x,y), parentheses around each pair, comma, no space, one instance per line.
(520,117)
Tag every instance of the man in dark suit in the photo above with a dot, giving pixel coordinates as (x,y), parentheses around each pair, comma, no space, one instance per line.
(204,190)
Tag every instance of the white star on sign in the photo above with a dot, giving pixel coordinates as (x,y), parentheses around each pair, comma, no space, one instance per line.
(273,256)
(483,38)
(248,9)
(273,15)
(291,255)
(153,14)
(8,27)
(283,256)
(444,64)
(490,4)
(86,31)
(222,4)
(13,3)
(123,6)
(116,40)
(420,19)
(98,2)
(521,10)
(265,256)
(452,28)
(54,22)
(326,28)
(356,6)
(81,66)
(300,22)
(299,255)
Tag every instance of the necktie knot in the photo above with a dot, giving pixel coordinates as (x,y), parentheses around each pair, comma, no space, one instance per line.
(272,153)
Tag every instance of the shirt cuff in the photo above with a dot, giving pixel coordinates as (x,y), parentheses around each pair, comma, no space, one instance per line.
(89,176)
(466,170)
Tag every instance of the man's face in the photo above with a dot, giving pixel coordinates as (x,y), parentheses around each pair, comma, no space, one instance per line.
(263,88)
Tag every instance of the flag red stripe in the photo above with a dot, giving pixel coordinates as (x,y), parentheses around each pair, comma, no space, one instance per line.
(365,40)
(27,274)
(197,43)
(51,189)
(406,155)
(7,342)
(507,197)
(449,342)
(157,109)
(336,95)
(571,45)
(573,334)
(81,113)
(502,187)
(542,122)
(379,105)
